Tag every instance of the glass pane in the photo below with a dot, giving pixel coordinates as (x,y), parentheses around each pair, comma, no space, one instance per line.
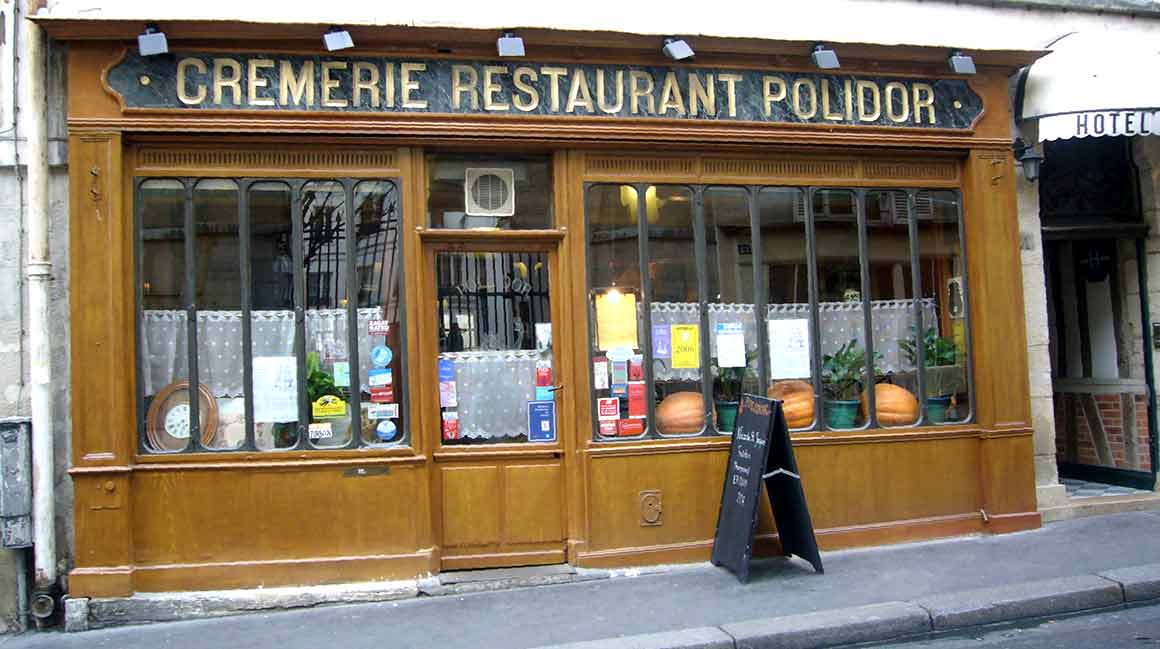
(785,260)
(327,356)
(892,308)
(676,316)
(164,327)
(275,388)
(840,308)
(219,310)
(379,265)
(943,286)
(473,192)
(615,301)
(495,342)
(733,344)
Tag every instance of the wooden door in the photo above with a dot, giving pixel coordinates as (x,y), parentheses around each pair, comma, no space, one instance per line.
(499,430)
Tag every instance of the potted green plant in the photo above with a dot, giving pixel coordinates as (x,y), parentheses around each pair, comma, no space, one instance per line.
(943,373)
(843,373)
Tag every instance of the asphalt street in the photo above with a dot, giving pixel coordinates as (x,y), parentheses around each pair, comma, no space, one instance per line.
(1121,628)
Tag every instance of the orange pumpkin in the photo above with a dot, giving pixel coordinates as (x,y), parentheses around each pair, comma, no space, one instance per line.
(895,405)
(797,401)
(681,413)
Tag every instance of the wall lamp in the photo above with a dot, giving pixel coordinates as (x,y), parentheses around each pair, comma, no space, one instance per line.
(1027,156)
(152,42)
(337,38)
(509,45)
(677,49)
(961,63)
(825,58)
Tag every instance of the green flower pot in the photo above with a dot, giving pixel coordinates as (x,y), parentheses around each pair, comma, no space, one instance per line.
(726,415)
(840,414)
(936,409)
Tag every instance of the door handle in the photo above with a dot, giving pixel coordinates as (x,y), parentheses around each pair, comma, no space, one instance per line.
(556,388)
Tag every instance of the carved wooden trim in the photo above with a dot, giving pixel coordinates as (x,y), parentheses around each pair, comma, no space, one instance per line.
(641,166)
(911,169)
(160,159)
(782,167)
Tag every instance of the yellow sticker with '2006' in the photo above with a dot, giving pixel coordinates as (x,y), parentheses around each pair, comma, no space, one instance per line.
(328,405)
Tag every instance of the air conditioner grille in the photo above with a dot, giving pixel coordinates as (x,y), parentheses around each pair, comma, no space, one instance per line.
(490,192)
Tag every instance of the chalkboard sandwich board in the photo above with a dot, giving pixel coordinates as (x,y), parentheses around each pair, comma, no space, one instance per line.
(761,453)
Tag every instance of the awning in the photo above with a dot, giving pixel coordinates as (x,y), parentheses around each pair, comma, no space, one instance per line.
(1093,85)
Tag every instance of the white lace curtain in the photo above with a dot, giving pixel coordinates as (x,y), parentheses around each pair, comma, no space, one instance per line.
(219,335)
(840,322)
(493,390)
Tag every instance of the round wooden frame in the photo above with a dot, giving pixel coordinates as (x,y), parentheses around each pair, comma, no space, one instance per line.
(154,420)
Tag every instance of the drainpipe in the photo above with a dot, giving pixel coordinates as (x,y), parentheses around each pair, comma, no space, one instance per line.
(38,274)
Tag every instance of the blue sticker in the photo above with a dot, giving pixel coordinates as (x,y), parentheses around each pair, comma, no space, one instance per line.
(541,421)
(386,430)
(545,393)
(446,370)
(381,355)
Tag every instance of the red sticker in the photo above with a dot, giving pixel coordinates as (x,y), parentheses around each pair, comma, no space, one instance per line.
(637,408)
(450,425)
(543,374)
(608,409)
(608,428)
(382,394)
(630,427)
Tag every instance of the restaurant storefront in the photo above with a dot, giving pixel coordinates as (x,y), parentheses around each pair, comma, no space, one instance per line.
(448,311)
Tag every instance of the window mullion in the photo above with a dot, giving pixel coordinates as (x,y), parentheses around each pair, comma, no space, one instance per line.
(247,307)
(815,328)
(194,443)
(299,311)
(966,307)
(760,277)
(352,292)
(700,253)
(138,295)
(646,303)
(867,324)
(916,291)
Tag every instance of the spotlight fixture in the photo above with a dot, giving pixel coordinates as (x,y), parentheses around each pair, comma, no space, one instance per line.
(961,63)
(1027,156)
(337,38)
(825,58)
(152,42)
(509,45)
(677,49)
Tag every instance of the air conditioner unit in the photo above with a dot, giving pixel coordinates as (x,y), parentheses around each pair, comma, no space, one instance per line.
(489,192)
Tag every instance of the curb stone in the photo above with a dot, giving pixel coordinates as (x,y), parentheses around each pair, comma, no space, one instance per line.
(1139,582)
(705,637)
(843,626)
(891,620)
(1015,601)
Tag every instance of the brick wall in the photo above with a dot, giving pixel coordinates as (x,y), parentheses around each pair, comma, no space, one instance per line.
(1074,434)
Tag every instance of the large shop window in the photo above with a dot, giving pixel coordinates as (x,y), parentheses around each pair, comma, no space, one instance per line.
(248,289)
(847,304)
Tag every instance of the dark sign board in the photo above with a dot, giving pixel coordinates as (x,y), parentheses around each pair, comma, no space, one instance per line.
(761,453)
(284,82)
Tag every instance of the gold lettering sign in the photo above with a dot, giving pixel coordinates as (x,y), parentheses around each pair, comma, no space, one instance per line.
(366,84)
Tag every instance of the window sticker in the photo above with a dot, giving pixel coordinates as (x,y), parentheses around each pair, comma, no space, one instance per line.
(662,342)
(730,344)
(616,320)
(275,389)
(541,421)
(448,395)
(381,355)
(379,328)
(600,373)
(342,374)
(686,346)
(328,406)
(630,427)
(376,411)
(386,430)
(450,425)
(322,430)
(608,409)
(637,404)
(789,348)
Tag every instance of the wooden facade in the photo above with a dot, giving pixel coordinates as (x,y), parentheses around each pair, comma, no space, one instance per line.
(232,520)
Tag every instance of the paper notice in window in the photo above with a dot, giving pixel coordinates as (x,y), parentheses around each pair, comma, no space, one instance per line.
(789,349)
(730,344)
(275,389)
(686,339)
(615,320)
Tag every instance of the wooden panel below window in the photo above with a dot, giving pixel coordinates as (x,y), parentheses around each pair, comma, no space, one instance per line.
(533,511)
(471,505)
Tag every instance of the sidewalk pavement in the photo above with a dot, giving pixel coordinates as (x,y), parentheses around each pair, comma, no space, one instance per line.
(904,588)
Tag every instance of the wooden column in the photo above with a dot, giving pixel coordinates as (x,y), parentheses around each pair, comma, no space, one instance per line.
(103,410)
